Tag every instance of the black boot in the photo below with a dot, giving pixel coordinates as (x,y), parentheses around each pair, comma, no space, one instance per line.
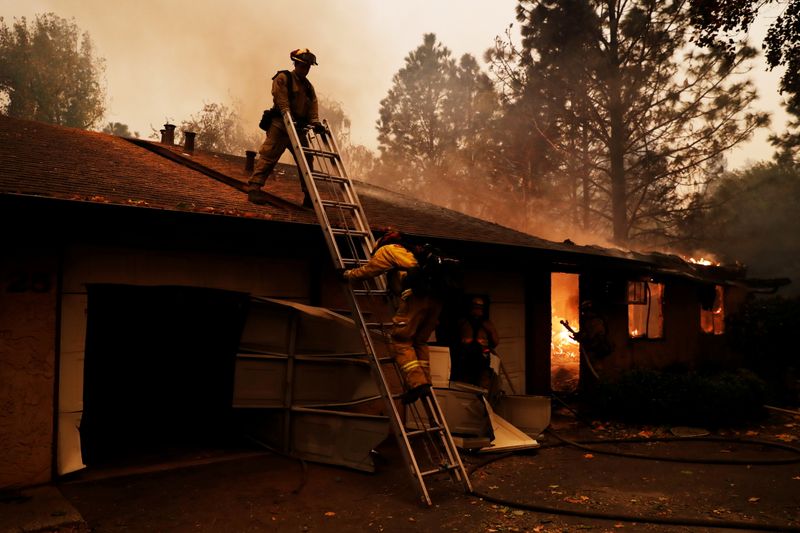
(256,195)
(414,394)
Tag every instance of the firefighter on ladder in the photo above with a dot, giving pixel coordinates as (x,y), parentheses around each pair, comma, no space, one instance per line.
(291,91)
(416,317)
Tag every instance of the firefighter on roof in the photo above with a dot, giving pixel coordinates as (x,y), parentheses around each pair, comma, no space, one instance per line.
(291,91)
(416,317)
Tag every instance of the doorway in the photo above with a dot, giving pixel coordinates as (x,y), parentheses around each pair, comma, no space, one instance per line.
(564,350)
(158,370)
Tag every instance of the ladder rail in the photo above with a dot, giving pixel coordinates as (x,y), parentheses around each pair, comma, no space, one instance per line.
(353,231)
(305,174)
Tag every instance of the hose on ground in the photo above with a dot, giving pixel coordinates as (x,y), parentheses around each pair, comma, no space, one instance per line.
(675,521)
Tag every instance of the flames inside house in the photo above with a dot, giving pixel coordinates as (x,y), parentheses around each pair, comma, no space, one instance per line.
(564,350)
(645,309)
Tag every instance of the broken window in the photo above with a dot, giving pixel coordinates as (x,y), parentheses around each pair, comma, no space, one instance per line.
(712,319)
(645,309)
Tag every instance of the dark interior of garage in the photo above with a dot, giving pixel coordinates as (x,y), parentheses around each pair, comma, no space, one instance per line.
(158,373)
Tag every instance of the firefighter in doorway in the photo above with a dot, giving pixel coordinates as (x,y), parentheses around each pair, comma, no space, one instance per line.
(479,338)
(594,343)
(291,91)
(593,333)
(417,314)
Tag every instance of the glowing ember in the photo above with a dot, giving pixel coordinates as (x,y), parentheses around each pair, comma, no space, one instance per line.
(702,261)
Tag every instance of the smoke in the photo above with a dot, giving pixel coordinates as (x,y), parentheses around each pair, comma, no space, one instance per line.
(165,60)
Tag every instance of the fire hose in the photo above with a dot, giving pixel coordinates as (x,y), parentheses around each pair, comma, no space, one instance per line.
(677,521)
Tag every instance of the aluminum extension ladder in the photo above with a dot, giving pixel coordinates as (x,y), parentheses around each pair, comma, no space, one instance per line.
(427,447)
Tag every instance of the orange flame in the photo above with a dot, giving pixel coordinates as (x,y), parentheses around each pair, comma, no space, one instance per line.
(703,261)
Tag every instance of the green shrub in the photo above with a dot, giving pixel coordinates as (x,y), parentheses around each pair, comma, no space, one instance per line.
(763,332)
(652,397)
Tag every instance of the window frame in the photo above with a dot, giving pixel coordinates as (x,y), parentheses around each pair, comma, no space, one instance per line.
(634,298)
(717,319)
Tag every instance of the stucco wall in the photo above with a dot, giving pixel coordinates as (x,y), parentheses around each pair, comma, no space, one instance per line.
(27,359)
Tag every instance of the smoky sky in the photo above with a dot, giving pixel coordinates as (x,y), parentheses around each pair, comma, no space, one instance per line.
(165,59)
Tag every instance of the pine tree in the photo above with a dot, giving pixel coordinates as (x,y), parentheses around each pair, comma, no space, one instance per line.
(612,91)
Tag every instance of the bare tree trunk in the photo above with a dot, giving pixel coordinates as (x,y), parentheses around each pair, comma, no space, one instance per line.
(585,176)
(616,147)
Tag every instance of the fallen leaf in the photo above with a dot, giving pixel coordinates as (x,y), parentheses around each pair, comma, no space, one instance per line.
(753,499)
(588,456)
(579,499)
(688,472)
(619,526)
(330,513)
(412,519)
(751,433)
(645,434)
(785,437)
(796,477)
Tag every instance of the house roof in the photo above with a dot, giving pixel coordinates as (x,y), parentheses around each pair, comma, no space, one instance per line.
(40,159)
(43,160)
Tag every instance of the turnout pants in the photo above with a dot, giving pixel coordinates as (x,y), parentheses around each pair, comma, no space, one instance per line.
(415,320)
(276,142)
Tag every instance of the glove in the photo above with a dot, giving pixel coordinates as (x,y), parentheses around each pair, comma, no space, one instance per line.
(318,127)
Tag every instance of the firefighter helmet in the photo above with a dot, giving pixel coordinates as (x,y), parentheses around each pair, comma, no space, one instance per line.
(390,236)
(303,55)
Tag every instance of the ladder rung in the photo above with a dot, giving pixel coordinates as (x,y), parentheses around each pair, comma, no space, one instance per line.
(370,292)
(350,232)
(344,205)
(320,153)
(426,431)
(379,324)
(321,176)
(443,468)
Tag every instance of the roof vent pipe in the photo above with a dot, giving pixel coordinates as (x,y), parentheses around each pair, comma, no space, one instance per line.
(250,160)
(188,141)
(163,138)
(169,134)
